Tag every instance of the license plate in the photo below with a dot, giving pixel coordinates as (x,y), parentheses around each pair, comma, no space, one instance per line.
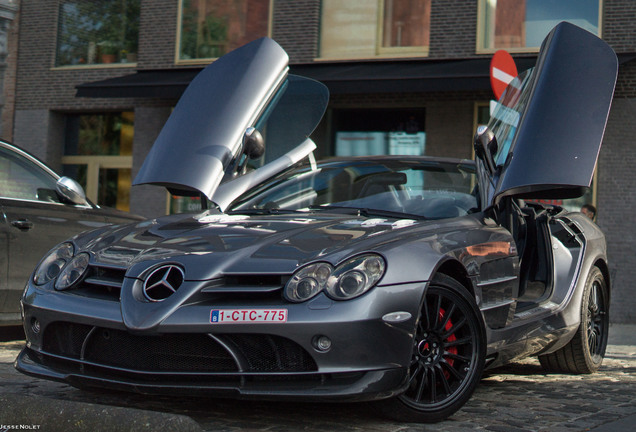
(237,316)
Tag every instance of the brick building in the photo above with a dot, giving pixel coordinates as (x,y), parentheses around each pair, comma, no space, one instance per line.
(95,82)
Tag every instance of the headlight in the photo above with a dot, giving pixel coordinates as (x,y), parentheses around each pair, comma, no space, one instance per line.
(51,266)
(307,282)
(350,279)
(356,276)
(73,271)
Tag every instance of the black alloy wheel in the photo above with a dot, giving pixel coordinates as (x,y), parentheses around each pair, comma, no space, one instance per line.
(449,349)
(585,352)
(597,321)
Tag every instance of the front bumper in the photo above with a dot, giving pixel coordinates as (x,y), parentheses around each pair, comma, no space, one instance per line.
(354,386)
(84,341)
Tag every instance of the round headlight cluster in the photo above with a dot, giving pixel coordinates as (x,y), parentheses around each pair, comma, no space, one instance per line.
(73,271)
(348,280)
(308,281)
(355,276)
(63,266)
(51,266)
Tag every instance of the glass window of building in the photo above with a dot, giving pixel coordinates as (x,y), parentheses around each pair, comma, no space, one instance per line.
(362,132)
(521,25)
(207,29)
(372,28)
(104,32)
(98,154)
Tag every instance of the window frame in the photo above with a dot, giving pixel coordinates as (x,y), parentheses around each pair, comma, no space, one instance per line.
(409,51)
(208,60)
(380,51)
(96,162)
(114,65)
(93,165)
(481,30)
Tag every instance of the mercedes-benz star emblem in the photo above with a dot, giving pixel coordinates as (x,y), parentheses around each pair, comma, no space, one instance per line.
(163,282)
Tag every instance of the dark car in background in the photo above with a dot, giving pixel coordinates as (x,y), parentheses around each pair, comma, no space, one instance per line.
(38,209)
(395,279)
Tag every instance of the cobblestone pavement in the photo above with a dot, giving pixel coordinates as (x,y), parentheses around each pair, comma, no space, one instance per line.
(519,397)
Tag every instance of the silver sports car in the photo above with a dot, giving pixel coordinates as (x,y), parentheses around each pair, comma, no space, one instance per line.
(394,279)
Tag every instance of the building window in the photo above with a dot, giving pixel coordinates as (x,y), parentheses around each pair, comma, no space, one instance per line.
(371,28)
(521,25)
(363,132)
(207,29)
(97,32)
(98,154)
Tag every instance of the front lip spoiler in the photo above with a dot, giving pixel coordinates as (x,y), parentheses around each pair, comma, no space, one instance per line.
(339,386)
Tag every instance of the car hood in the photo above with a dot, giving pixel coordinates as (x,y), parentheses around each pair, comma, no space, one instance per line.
(549,123)
(116,216)
(202,142)
(210,244)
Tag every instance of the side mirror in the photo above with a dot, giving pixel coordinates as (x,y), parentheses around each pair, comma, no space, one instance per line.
(253,148)
(253,143)
(71,191)
(486,147)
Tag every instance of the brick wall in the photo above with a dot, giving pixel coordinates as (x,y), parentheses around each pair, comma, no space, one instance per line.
(157,34)
(453,28)
(616,181)
(40,85)
(619,24)
(296,26)
(8,90)
(149,201)
(616,212)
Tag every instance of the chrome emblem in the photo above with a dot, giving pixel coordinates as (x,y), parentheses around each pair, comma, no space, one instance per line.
(163,282)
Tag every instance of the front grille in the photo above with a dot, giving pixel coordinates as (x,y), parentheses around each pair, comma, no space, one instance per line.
(271,353)
(176,353)
(105,282)
(65,339)
(116,348)
(102,282)
(163,353)
(245,283)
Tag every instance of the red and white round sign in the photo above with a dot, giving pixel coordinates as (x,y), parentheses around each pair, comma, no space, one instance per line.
(502,70)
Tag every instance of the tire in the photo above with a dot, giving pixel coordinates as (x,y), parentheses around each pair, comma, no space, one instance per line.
(449,349)
(584,353)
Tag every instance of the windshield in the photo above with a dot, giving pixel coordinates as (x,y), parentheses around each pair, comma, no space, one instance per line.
(407,187)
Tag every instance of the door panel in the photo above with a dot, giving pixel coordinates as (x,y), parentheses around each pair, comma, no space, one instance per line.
(29,230)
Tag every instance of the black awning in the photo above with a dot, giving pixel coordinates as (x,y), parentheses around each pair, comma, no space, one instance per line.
(405,76)
(163,83)
(341,77)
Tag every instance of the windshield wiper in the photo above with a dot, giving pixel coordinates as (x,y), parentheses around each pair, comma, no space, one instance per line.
(263,211)
(367,212)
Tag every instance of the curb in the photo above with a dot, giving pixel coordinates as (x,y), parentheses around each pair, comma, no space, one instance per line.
(19,412)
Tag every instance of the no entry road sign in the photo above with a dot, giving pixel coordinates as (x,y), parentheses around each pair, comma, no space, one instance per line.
(502,71)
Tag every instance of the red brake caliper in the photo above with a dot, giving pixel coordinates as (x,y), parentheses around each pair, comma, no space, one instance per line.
(451,338)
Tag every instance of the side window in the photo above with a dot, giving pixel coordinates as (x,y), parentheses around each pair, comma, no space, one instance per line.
(20,179)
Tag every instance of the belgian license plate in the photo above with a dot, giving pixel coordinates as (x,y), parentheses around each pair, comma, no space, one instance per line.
(237,316)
